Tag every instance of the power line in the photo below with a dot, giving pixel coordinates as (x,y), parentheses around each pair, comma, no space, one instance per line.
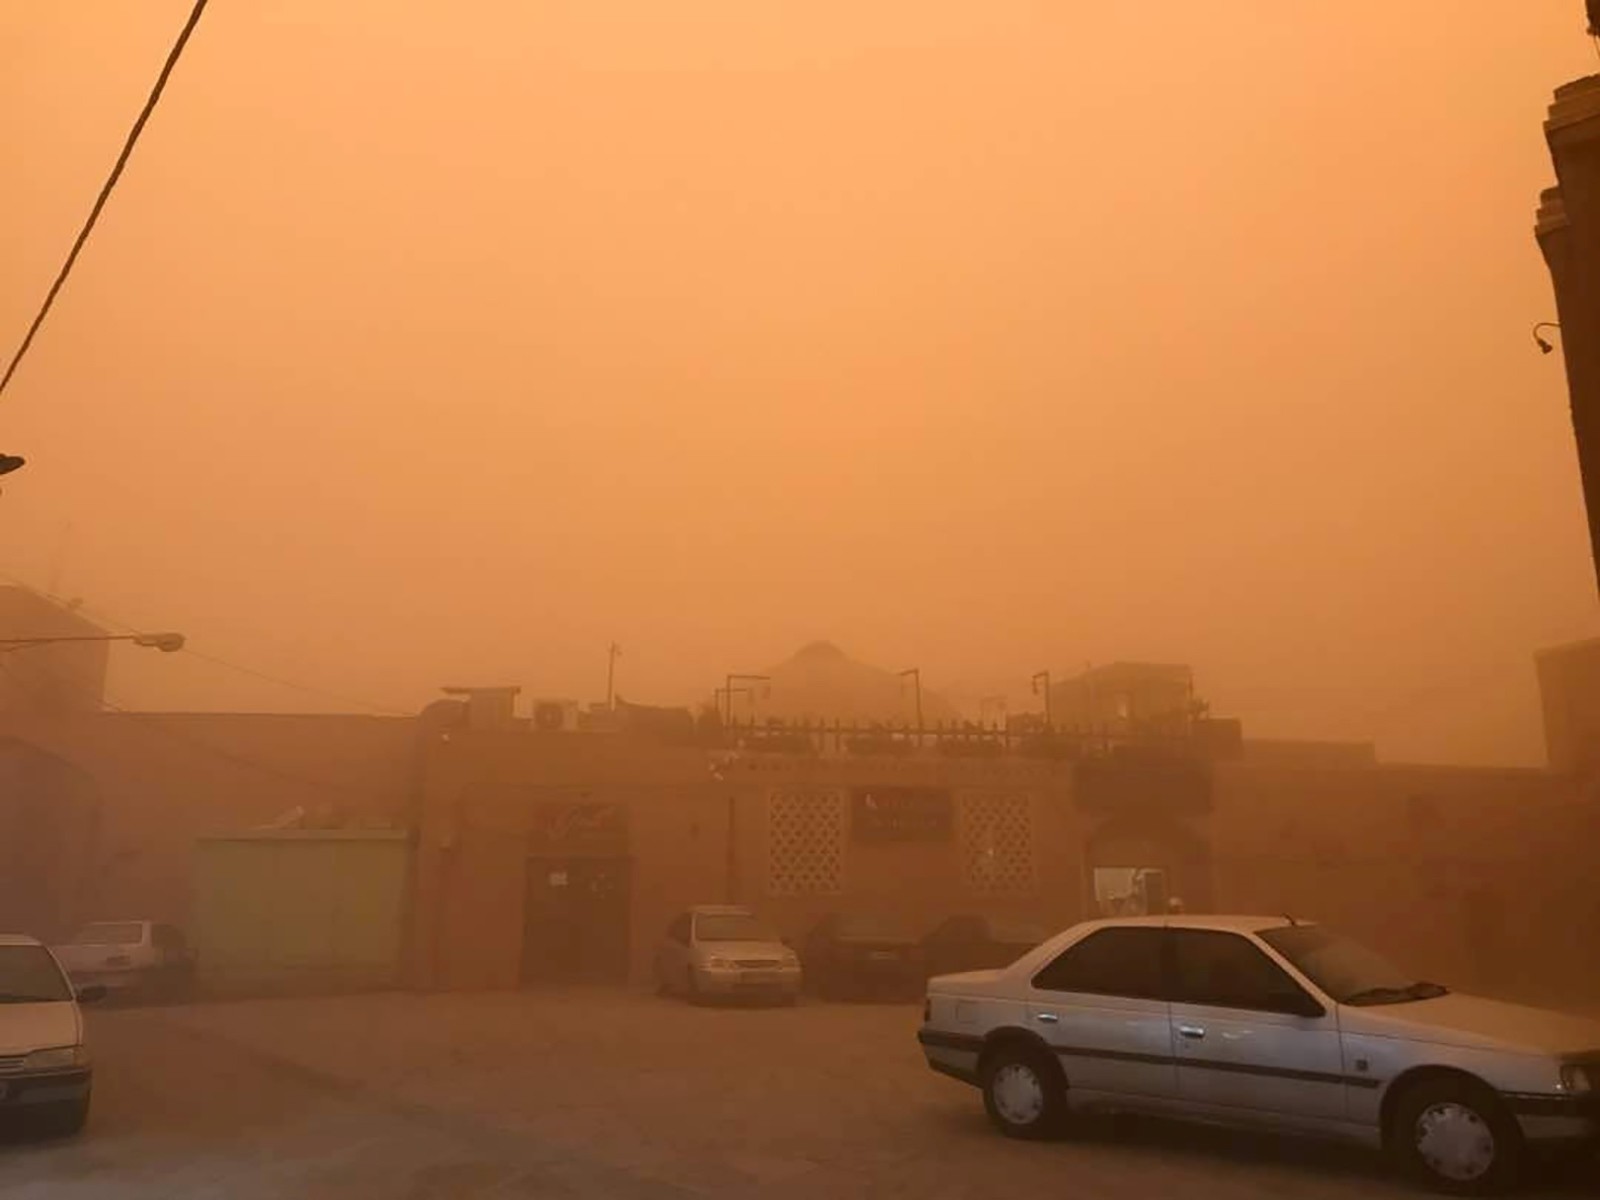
(105,618)
(380,709)
(153,721)
(105,191)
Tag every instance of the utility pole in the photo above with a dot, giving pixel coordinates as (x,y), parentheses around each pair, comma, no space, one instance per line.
(1043,678)
(1568,233)
(611,677)
(915,675)
(728,690)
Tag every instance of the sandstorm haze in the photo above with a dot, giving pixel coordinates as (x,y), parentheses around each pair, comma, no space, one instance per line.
(422,346)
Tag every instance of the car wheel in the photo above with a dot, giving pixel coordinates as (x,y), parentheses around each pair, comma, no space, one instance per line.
(1454,1136)
(1023,1092)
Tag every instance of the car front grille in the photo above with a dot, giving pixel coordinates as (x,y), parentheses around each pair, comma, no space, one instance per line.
(10,1064)
(758,964)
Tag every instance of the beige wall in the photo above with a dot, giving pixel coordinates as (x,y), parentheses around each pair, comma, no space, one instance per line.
(472,845)
(1569,688)
(1416,859)
(164,780)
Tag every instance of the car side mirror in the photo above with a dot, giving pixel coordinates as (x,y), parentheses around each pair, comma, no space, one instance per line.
(91,994)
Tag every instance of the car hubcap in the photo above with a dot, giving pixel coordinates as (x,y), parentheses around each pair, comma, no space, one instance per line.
(1455,1142)
(1018,1094)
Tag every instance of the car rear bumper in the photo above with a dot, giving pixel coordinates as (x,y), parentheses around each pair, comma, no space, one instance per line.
(126,980)
(1557,1118)
(952,1054)
(45,1087)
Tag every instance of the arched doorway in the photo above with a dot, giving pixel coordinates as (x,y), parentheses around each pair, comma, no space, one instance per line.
(1138,864)
(49,815)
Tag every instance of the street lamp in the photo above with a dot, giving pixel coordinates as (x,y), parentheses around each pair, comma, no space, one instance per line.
(915,675)
(1544,346)
(167,643)
(1043,678)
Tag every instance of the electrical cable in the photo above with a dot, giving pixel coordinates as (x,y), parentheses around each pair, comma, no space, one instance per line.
(153,721)
(105,191)
(106,619)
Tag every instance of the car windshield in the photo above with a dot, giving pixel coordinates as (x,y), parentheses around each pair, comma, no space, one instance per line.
(28,975)
(109,933)
(874,927)
(733,927)
(1348,971)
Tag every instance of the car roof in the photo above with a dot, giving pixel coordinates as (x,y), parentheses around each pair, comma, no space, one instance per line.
(18,939)
(1231,923)
(720,910)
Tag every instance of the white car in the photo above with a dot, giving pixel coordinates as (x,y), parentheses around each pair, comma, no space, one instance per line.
(44,1061)
(723,951)
(1271,1023)
(143,959)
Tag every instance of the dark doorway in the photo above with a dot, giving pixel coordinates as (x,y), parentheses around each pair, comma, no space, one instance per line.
(575,920)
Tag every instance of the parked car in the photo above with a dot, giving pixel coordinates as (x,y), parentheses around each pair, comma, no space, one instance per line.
(1271,1023)
(971,942)
(726,951)
(44,1060)
(143,960)
(854,954)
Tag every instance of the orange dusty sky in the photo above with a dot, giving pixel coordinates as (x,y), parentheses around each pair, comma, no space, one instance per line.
(430,344)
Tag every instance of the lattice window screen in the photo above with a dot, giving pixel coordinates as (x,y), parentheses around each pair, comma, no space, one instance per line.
(997,843)
(805,843)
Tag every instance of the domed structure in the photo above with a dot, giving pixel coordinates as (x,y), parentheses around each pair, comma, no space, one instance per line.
(822,683)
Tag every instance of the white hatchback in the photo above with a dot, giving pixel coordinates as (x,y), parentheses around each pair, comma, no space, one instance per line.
(1272,1023)
(44,1059)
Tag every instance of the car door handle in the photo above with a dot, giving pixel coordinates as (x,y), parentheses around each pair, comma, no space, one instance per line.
(1191,1031)
(1047,1018)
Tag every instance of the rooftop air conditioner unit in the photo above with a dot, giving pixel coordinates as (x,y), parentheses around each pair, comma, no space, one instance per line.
(555,716)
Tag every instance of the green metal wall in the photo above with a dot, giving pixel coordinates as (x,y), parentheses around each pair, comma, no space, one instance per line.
(300,910)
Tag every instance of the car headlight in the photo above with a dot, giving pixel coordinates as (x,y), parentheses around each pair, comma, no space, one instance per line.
(791,959)
(718,963)
(57,1058)
(1578,1078)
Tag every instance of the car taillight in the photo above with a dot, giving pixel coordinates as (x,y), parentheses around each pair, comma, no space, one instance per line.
(118,960)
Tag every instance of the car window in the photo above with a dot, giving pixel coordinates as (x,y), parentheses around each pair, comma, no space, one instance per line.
(1109,962)
(733,927)
(872,927)
(678,931)
(110,933)
(1337,965)
(29,975)
(1226,970)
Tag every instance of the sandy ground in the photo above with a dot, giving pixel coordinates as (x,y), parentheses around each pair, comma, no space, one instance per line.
(599,1094)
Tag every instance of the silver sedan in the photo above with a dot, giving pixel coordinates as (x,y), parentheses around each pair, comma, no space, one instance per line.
(725,951)
(1270,1023)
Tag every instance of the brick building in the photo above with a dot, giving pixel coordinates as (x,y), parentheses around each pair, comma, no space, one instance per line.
(549,851)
